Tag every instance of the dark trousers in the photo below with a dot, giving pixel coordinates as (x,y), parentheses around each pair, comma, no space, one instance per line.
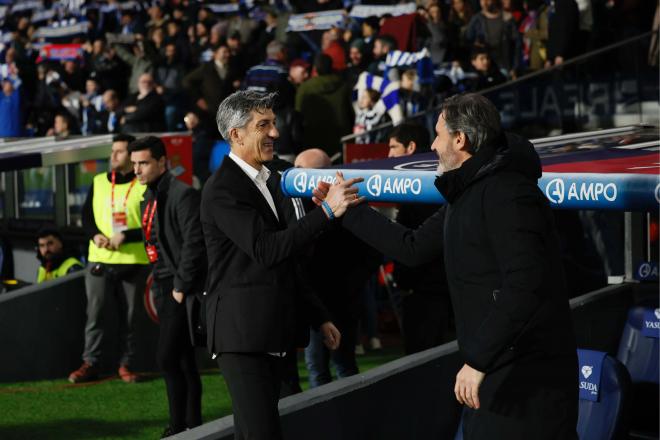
(176,358)
(425,321)
(254,383)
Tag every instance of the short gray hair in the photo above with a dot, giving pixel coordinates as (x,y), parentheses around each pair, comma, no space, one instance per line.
(475,116)
(236,109)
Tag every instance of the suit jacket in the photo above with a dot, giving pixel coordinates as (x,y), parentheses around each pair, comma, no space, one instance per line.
(179,233)
(257,298)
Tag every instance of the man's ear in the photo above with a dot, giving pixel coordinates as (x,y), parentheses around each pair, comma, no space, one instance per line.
(235,137)
(461,141)
(412,146)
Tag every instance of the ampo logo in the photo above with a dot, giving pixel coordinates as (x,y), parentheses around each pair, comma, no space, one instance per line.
(644,270)
(554,190)
(374,185)
(300,182)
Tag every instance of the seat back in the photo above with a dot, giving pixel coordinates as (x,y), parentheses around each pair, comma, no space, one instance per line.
(639,353)
(606,417)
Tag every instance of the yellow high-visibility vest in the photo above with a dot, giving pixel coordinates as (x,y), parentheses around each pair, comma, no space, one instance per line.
(58,271)
(128,253)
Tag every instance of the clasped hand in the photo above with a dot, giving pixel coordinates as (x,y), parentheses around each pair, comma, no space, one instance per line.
(340,196)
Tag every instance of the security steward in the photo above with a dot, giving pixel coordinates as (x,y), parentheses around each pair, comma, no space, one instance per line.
(118,263)
(56,260)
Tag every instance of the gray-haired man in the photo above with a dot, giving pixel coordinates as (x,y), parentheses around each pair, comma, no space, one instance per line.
(257,308)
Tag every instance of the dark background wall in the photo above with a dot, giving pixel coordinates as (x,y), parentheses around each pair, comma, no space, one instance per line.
(42,331)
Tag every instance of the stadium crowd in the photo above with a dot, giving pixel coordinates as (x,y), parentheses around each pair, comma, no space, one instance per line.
(82,67)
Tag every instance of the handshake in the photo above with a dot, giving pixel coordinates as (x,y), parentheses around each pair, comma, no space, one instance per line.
(336,199)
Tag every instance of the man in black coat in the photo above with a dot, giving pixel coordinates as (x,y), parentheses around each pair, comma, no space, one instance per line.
(507,287)
(258,305)
(144,111)
(175,247)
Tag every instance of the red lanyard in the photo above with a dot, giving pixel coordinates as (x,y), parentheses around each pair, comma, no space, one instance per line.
(112,193)
(148,218)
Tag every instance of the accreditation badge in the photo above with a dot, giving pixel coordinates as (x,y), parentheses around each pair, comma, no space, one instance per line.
(119,221)
(152,253)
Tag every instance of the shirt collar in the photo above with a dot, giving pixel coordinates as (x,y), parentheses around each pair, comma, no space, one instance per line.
(254,174)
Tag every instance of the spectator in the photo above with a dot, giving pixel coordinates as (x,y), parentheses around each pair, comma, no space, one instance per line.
(157,17)
(237,51)
(144,111)
(370,28)
(358,60)
(460,15)
(103,62)
(55,259)
(367,115)
(169,79)
(298,72)
(331,46)
(324,103)
(383,44)
(202,144)
(107,120)
(72,76)
(62,126)
(534,29)
(91,102)
(138,62)
(212,82)
(410,99)
(272,75)
(10,110)
(487,74)
(497,33)
(438,42)
(261,37)
(118,263)
(563,31)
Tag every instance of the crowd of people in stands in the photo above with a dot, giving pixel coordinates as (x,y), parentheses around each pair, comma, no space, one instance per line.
(152,66)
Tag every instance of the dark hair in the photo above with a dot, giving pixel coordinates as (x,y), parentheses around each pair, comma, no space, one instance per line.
(123,137)
(47,232)
(323,64)
(411,132)
(388,40)
(373,22)
(151,143)
(475,116)
(478,50)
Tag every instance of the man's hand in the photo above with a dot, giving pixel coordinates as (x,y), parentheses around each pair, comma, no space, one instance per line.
(178,296)
(343,195)
(116,241)
(101,241)
(467,385)
(331,336)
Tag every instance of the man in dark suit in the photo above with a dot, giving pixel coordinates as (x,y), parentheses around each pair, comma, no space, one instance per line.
(175,247)
(258,304)
(503,265)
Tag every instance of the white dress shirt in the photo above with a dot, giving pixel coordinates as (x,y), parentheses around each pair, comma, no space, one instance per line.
(259,177)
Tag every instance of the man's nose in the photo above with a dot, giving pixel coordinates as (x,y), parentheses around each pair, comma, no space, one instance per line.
(274,133)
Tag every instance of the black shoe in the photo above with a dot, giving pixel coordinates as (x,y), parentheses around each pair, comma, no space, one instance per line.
(167,433)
